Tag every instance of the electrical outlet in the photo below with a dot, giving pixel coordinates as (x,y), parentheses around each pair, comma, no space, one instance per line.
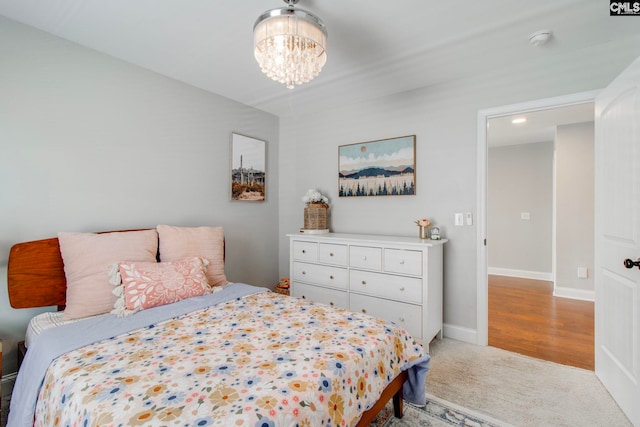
(459,219)
(525,216)
(468,218)
(583,273)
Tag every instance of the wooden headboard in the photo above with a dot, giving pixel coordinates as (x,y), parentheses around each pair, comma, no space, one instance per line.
(35,275)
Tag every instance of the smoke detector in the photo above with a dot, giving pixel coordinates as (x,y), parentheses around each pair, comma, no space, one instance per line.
(540,37)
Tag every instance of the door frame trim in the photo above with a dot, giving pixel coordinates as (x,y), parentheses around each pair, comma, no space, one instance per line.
(482,299)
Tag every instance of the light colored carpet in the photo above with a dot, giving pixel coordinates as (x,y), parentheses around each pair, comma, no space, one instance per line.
(518,389)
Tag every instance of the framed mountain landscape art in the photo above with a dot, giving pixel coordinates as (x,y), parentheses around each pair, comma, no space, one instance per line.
(386,167)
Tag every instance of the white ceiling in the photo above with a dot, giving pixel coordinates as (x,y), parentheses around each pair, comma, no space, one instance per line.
(376,48)
(540,126)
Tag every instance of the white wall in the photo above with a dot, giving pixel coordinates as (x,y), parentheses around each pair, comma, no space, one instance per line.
(520,180)
(90,143)
(574,210)
(444,119)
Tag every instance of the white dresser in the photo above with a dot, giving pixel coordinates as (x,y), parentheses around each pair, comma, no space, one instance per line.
(395,278)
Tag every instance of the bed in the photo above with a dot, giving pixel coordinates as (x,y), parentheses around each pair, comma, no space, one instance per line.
(241,355)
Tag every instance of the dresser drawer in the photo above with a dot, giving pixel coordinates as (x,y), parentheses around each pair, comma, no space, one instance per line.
(325,275)
(403,261)
(332,297)
(408,316)
(365,257)
(407,289)
(333,254)
(305,251)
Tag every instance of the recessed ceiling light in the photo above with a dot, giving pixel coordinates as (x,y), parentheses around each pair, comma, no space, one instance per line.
(518,120)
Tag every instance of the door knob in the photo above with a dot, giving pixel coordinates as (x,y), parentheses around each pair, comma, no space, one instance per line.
(630,264)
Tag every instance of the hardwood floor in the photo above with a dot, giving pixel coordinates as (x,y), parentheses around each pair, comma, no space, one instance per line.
(525,318)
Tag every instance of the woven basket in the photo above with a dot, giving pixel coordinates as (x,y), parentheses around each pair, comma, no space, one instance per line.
(282,291)
(283,286)
(315,217)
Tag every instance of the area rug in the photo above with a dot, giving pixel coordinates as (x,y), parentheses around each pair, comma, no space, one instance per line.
(436,413)
(518,389)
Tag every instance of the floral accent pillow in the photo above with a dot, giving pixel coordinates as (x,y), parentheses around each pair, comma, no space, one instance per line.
(142,285)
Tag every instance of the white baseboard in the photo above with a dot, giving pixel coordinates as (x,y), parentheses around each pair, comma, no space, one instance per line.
(460,333)
(573,293)
(523,274)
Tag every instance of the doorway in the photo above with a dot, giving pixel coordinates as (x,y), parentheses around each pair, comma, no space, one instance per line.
(484,117)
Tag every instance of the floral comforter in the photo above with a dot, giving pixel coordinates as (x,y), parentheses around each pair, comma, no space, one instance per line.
(261,360)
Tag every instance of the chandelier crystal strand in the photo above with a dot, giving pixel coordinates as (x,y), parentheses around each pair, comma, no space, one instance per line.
(290,45)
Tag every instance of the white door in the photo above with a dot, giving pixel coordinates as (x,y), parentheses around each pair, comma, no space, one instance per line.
(617,180)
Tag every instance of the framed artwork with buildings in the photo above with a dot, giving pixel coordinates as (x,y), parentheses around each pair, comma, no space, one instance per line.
(248,168)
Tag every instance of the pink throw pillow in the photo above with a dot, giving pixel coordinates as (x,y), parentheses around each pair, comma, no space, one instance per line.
(150,284)
(207,242)
(87,257)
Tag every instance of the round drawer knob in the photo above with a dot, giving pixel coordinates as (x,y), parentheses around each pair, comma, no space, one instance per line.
(364,283)
(303,297)
(331,303)
(304,251)
(364,310)
(401,261)
(331,277)
(330,253)
(364,258)
(402,319)
(402,288)
(304,272)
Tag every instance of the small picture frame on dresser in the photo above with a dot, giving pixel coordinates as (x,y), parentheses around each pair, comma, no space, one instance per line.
(435,233)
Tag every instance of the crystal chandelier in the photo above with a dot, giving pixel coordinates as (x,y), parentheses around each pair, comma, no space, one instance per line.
(290,44)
